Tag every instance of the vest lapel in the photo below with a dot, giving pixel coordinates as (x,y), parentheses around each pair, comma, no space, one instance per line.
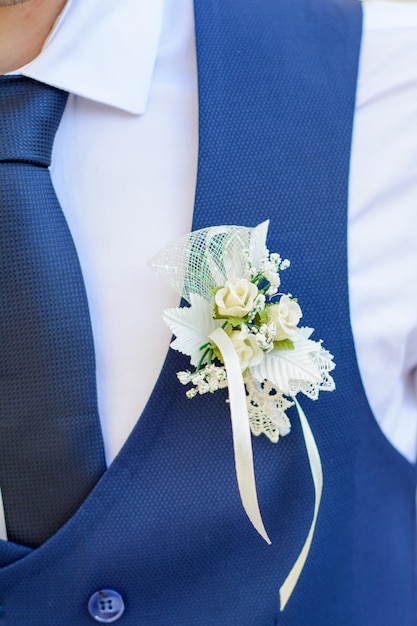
(263,76)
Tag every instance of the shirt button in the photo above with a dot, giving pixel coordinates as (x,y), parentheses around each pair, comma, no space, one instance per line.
(106,606)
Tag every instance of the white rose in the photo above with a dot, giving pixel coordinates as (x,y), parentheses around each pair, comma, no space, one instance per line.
(285,315)
(236,298)
(247,348)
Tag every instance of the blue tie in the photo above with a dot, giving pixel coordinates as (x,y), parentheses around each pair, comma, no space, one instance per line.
(51,448)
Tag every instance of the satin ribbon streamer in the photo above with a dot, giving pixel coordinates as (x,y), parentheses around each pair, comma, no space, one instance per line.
(290,582)
(245,473)
(242,443)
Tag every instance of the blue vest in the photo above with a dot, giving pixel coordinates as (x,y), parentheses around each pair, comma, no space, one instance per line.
(165,525)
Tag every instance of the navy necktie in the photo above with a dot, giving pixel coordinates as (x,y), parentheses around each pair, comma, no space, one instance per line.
(51,448)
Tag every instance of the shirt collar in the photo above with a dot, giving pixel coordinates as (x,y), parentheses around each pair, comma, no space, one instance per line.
(104,50)
(384,14)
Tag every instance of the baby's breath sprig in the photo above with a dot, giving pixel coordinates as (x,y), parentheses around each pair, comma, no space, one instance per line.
(206,380)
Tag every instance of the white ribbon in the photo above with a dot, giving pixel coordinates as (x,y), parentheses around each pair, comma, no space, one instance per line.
(242,442)
(290,582)
(245,473)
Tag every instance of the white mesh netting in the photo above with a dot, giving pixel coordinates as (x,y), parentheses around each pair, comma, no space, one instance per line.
(206,258)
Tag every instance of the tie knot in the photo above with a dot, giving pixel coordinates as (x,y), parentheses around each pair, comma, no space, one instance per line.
(30,113)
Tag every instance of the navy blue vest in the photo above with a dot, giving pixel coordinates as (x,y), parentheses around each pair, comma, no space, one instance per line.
(165,525)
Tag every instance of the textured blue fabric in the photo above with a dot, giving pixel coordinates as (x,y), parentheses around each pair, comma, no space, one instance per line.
(51,449)
(165,526)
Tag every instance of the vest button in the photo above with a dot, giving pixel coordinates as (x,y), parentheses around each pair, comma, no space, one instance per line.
(106,606)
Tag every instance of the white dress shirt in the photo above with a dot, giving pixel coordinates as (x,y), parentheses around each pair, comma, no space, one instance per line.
(383,220)
(124,167)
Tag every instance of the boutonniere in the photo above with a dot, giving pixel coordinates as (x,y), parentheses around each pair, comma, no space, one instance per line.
(242,331)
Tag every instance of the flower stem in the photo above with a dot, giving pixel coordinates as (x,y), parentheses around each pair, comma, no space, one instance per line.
(201,361)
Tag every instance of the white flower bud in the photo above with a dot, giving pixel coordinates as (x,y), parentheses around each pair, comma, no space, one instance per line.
(236,298)
(285,315)
(247,348)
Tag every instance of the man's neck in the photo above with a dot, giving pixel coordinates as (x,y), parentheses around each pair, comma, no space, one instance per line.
(23,30)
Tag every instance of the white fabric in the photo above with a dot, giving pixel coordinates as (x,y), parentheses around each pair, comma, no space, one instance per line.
(125,167)
(126,182)
(383,220)
(242,440)
(316,469)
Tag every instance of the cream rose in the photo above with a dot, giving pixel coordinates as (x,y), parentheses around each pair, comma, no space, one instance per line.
(247,348)
(236,298)
(285,315)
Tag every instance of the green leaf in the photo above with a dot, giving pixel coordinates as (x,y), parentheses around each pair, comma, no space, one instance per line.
(263,316)
(284,344)
(236,322)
